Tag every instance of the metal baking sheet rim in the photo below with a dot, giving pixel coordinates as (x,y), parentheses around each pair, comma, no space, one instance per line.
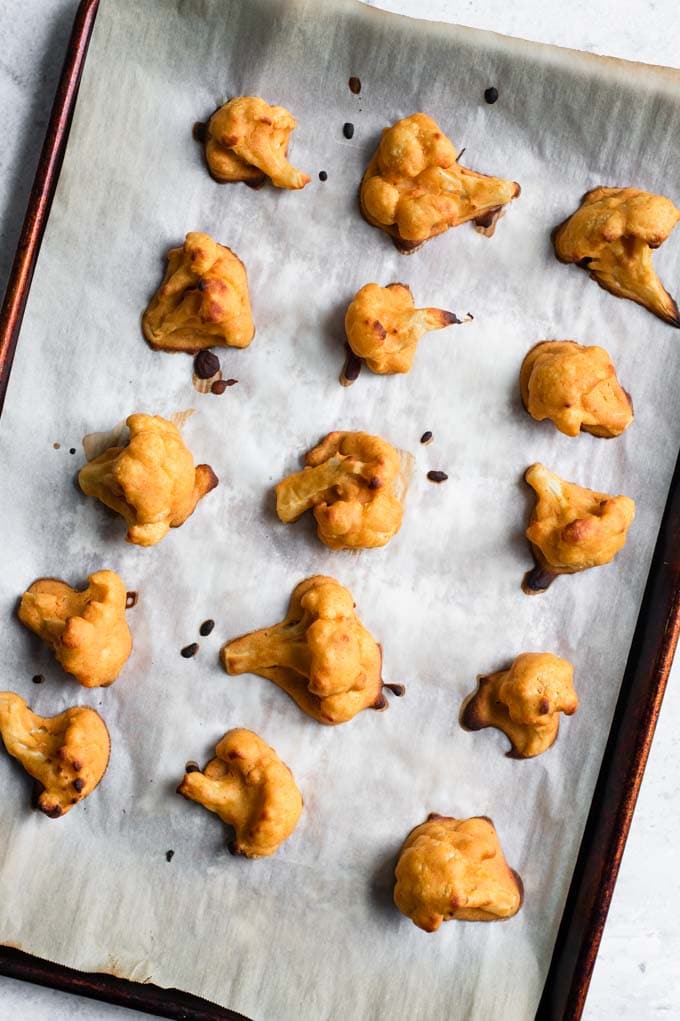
(646,674)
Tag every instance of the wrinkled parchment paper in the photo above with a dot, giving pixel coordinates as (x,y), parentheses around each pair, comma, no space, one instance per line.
(311,933)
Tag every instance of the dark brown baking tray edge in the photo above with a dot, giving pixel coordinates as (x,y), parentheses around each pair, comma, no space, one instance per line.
(43,189)
(630,738)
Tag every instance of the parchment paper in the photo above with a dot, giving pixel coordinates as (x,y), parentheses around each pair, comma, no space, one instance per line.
(311,933)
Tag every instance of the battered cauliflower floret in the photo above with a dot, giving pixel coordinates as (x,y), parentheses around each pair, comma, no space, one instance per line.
(152,482)
(383,326)
(572,528)
(247,140)
(87,630)
(524,702)
(349,482)
(250,788)
(575,386)
(321,654)
(203,300)
(414,188)
(455,868)
(612,235)
(66,755)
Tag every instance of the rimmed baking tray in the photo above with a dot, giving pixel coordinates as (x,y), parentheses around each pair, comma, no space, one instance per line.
(632,730)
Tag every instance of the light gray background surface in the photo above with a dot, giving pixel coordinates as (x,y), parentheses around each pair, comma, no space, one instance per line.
(636,974)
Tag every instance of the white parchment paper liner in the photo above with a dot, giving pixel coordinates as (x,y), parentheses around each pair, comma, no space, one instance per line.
(311,933)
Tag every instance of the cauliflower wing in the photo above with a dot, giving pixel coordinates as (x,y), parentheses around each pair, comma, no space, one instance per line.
(152,482)
(349,482)
(612,235)
(87,630)
(455,868)
(524,702)
(66,755)
(203,300)
(321,654)
(383,326)
(572,528)
(576,387)
(247,140)
(249,788)
(414,188)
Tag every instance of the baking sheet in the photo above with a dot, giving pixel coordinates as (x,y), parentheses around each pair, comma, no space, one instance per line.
(312,931)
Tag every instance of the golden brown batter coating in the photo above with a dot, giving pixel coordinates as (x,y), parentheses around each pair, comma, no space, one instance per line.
(321,654)
(572,528)
(247,140)
(524,702)
(349,482)
(455,868)
(612,235)
(383,326)
(152,482)
(414,188)
(203,300)
(576,387)
(250,788)
(87,630)
(66,755)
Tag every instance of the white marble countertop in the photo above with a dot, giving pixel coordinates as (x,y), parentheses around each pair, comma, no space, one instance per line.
(636,975)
